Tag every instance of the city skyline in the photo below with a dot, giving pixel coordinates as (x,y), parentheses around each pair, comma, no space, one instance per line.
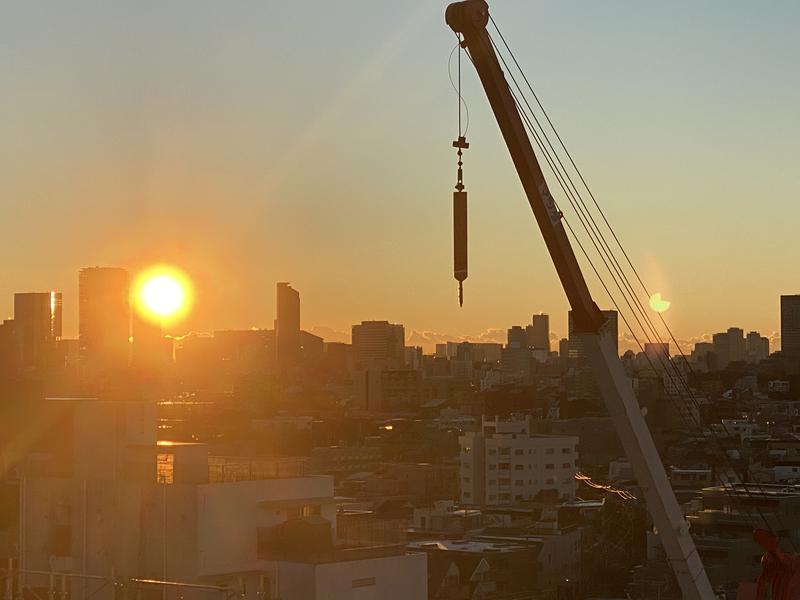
(427,340)
(183,161)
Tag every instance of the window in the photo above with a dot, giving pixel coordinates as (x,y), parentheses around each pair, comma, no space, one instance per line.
(505,497)
(566,466)
(492,451)
(549,466)
(504,466)
(505,451)
(467,494)
(519,482)
(518,498)
(504,481)
(492,467)
(518,452)
(165,464)
(566,451)
(550,451)
(550,481)
(519,467)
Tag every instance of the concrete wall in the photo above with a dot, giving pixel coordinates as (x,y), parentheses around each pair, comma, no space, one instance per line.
(401,577)
(229,515)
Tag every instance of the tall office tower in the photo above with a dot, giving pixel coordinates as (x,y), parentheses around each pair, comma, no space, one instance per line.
(757,347)
(379,342)
(563,348)
(287,325)
(37,319)
(539,332)
(104,316)
(790,324)
(516,337)
(576,344)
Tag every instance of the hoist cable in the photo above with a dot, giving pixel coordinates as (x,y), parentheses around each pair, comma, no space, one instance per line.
(607,249)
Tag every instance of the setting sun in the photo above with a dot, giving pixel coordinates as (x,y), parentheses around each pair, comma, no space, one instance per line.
(162,293)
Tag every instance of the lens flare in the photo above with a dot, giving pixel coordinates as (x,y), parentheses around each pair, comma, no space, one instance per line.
(162,294)
(658,304)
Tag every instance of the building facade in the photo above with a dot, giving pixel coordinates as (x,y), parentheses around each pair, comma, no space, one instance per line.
(505,463)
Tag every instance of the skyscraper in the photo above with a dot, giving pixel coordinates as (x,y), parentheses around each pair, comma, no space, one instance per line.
(379,342)
(104,315)
(790,324)
(37,327)
(539,332)
(287,324)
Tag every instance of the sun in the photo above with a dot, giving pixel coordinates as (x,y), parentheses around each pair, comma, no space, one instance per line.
(162,293)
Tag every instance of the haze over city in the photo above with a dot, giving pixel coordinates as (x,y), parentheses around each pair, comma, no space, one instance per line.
(217,142)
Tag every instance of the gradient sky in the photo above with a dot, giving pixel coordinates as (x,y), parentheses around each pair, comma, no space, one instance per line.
(254,142)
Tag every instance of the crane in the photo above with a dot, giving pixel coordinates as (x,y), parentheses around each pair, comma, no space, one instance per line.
(469,19)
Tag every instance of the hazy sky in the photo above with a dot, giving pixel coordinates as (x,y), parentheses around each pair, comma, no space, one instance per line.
(261,141)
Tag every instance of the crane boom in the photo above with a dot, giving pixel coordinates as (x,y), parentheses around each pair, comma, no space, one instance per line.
(469,19)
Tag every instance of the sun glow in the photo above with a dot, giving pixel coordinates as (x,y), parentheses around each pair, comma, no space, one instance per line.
(162,293)
(659,304)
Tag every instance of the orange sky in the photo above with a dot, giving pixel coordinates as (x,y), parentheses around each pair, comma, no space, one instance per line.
(244,152)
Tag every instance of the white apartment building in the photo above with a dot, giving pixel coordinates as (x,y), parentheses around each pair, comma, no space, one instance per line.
(505,463)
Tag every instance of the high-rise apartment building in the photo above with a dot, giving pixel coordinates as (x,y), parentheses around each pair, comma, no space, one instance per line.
(287,324)
(505,463)
(379,342)
(790,324)
(104,316)
(37,327)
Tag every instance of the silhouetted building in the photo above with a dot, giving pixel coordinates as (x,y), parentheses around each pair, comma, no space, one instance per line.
(575,348)
(104,314)
(657,354)
(8,348)
(312,347)
(516,337)
(389,390)
(151,352)
(563,348)
(539,332)
(379,342)
(37,327)
(790,324)
(757,347)
(729,347)
(287,325)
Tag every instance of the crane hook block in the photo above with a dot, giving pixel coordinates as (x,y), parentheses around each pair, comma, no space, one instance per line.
(460,241)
